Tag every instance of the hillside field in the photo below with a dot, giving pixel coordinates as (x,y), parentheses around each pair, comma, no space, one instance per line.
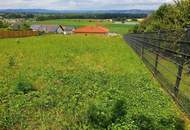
(57,82)
(118,28)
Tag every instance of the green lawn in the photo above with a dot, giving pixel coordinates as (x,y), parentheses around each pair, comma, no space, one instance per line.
(118,28)
(73,82)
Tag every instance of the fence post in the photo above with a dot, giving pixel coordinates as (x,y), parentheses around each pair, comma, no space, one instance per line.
(179,76)
(157,54)
(142,47)
(181,64)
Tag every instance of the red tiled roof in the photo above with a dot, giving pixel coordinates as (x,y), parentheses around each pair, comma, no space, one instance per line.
(92,29)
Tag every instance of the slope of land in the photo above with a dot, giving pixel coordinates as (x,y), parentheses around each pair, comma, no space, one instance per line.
(79,82)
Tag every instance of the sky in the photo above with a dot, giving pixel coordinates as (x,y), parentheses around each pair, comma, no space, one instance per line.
(82,4)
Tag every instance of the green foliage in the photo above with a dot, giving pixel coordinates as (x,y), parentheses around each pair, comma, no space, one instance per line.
(20,26)
(3,25)
(119,110)
(25,26)
(102,117)
(12,61)
(144,123)
(11,118)
(24,87)
(168,16)
(116,16)
(98,117)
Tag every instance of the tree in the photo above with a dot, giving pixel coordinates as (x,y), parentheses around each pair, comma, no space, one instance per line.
(3,25)
(169,16)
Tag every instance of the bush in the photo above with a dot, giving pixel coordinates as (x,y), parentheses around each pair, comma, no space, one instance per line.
(102,117)
(172,122)
(12,61)
(11,120)
(98,117)
(119,110)
(147,123)
(3,25)
(24,87)
(46,103)
(144,123)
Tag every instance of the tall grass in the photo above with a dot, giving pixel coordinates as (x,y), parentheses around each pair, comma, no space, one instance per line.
(79,82)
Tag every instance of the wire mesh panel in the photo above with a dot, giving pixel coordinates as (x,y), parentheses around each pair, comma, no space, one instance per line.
(167,55)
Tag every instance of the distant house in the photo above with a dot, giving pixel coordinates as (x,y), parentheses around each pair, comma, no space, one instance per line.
(47,28)
(60,29)
(53,29)
(92,30)
(68,30)
(35,27)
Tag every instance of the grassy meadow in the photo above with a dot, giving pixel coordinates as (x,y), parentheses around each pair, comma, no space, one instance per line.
(118,28)
(57,82)
(168,72)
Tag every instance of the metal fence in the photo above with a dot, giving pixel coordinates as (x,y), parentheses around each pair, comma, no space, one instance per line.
(167,55)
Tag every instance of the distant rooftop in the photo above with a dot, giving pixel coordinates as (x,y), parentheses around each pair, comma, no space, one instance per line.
(92,29)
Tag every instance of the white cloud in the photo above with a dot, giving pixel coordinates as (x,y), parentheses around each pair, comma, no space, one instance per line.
(83,4)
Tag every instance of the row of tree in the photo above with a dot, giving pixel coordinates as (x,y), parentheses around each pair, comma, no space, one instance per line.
(118,16)
(169,16)
(50,16)
(3,25)
(17,15)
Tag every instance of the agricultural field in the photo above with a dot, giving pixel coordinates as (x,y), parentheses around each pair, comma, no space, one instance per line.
(80,82)
(118,28)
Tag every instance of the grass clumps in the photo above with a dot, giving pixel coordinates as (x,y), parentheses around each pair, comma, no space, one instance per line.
(12,61)
(103,118)
(24,87)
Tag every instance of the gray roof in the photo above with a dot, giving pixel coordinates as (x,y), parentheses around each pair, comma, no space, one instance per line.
(46,28)
(35,27)
(68,28)
(52,28)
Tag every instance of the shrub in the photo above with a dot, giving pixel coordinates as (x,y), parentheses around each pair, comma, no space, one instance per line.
(172,122)
(104,117)
(98,117)
(144,123)
(10,119)
(12,61)
(147,123)
(119,110)
(24,87)
(46,103)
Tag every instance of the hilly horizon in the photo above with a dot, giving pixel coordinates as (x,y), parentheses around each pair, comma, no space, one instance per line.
(130,11)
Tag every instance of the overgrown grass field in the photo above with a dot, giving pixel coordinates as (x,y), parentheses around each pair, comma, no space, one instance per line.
(118,28)
(56,82)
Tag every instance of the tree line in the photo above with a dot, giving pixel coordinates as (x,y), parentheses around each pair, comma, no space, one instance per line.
(41,17)
(117,16)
